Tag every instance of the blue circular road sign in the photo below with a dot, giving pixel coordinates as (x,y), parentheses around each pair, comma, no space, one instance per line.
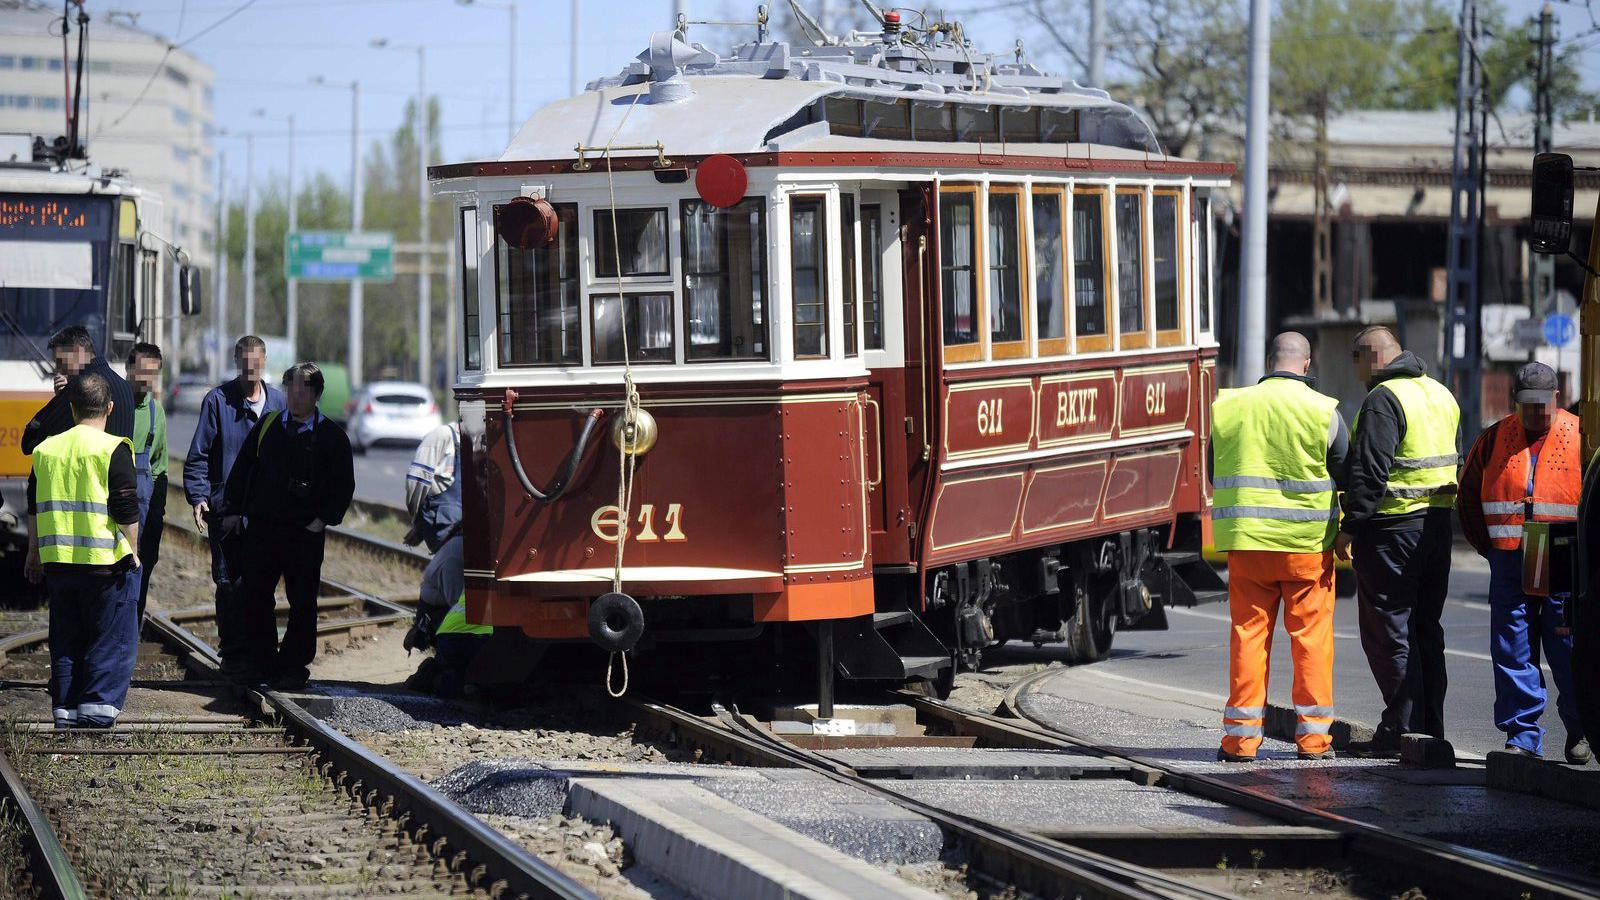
(1559,330)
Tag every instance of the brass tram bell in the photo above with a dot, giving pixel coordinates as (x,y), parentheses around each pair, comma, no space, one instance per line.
(635,437)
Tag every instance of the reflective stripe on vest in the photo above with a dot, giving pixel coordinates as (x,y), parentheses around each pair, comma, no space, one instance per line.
(455,621)
(1557,478)
(1272,490)
(72,475)
(1423,473)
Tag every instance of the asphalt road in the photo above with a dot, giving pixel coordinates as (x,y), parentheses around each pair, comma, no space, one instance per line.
(1193,653)
(380,474)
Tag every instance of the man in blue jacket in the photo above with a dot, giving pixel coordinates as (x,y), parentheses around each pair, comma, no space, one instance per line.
(227,414)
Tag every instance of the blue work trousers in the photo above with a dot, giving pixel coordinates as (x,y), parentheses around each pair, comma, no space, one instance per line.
(1519,626)
(227,573)
(94,641)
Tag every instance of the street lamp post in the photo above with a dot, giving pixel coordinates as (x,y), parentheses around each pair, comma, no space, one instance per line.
(424,275)
(292,292)
(511,68)
(357,319)
(249,234)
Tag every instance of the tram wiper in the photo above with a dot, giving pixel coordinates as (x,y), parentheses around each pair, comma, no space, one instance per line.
(569,468)
(42,361)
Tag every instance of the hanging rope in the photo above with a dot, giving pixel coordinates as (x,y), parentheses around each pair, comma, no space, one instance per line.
(630,392)
(616,693)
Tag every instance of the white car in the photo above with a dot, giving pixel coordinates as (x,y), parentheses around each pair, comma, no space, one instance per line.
(400,412)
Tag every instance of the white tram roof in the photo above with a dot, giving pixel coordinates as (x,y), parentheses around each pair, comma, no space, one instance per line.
(765,97)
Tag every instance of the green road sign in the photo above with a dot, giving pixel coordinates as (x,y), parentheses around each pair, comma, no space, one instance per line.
(339,255)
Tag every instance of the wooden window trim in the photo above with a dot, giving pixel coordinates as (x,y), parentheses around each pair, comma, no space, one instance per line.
(1094,343)
(973,352)
(1141,339)
(822,263)
(1017,349)
(1173,336)
(1061,346)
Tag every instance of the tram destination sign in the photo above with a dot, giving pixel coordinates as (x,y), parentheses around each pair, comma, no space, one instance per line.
(339,255)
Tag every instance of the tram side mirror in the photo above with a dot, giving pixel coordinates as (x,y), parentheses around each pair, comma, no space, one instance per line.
(1552,204)
(189,290)
(526,223)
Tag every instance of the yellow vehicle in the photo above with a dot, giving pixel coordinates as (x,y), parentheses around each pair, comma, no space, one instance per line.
(77,247)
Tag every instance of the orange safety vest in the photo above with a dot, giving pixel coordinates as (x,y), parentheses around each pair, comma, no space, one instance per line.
(1557,481)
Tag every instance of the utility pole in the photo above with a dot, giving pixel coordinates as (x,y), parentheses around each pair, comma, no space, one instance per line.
(357,320)
(1463,317)
(219,271)
(572,61)
(249,234)
(1253,286)
(1097,43)
(1542,288)
(424,276)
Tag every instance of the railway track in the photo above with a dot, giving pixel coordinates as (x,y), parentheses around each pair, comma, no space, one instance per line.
(1301,847)
(234,793)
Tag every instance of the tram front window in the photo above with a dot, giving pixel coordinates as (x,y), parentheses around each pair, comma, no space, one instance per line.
(55,255)
(643,236)
(648,328)
(536,297)
(958,248)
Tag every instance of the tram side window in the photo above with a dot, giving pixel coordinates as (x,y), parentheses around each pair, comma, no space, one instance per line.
(1049,289)
(888,121)
(1089,299)
(648,327)
(848,248)
(536,297)
(643,236)
(872,277)
(958,271)
(1164,262)
(1130,266)
(471,336)
(125,273)
(808,277)
(977,123)
(1004,263)
(724,280)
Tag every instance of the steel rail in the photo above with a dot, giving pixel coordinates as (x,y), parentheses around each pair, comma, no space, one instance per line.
(59,880)
(1450,869)
(451,833)
(1031,863)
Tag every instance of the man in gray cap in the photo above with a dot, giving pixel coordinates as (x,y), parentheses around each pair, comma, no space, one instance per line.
(1522,479)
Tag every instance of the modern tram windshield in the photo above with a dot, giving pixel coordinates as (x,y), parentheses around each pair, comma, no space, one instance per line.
(55,253)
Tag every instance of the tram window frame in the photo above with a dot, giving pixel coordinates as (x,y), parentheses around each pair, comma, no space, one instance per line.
(666,355)
(969,350)
(872,277)
(843,115)
(1203,237)
(818,205)
(758,317)
(608,267)
(1053,345)
(1054,119)
(1083,197)
(976,123)
(1168,337)
(1132,338)
(122,319)
(569,298)
(932,122)
(849,275)
(471,259)
(995,304)
(874,112)
(1019,124)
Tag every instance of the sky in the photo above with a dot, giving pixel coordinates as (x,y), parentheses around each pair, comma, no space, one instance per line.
(267,51)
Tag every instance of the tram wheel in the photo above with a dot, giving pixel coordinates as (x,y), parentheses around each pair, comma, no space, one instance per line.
(1091,626)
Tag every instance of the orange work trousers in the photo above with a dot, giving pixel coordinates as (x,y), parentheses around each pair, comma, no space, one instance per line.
(1257,581)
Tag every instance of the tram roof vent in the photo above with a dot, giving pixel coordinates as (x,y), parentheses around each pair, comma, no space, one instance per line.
(667,58)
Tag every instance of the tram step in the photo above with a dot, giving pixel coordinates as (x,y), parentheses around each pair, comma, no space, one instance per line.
(924,666)
(882,620)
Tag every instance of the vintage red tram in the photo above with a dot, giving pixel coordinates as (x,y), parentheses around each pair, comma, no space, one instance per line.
(921,340)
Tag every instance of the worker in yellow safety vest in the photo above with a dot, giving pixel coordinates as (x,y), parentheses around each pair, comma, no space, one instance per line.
(83,538)
(1278,454)
(456,643)
(1397,524)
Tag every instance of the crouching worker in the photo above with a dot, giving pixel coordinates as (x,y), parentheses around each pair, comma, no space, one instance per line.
(456,643)
(83,535)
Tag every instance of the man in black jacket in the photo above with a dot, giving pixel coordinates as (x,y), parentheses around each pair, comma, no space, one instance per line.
(293,477)
(1397,515)
(73,350)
